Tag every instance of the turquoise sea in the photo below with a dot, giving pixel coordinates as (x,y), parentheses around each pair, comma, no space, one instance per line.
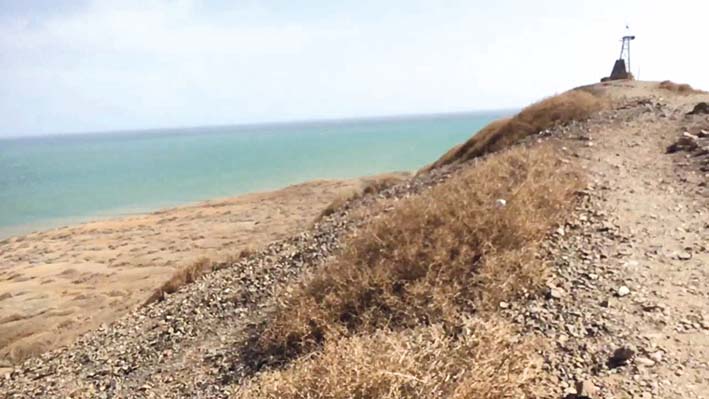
(49,181)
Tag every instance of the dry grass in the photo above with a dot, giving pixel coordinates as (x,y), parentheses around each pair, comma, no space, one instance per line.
(432,260)
(181,277)
(679,88)
(31,347)
(339,202)
(370,185)
(376,184)
(191,273)
(188,275)
(482,361)
(573,105)
(19,342)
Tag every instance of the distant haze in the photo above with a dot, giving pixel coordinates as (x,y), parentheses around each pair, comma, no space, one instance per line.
(72,66)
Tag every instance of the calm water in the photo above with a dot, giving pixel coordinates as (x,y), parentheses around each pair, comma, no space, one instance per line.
(54,180)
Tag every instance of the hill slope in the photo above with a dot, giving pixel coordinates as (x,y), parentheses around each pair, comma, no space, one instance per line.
(500,277)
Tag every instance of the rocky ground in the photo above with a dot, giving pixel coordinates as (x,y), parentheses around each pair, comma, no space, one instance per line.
(627,307)
(187,345)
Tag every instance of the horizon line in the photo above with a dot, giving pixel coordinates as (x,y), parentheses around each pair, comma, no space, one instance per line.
(257,124)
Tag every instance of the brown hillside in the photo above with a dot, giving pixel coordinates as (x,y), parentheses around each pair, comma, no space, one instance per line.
(575,105)
(425,266)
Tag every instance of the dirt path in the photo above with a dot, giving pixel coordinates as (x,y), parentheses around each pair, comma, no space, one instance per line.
(665,263)
(635,267)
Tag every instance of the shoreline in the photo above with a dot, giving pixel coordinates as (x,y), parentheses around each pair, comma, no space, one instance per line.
(51,224)
(57,283)
(65,180)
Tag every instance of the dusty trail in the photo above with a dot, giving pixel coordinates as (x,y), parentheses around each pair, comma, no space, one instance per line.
(657,204)
(633,267)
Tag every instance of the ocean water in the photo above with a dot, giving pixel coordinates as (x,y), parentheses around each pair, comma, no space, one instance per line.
(50,181)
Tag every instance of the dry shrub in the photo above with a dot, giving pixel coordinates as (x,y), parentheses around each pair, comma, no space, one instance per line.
(573,105)
(339,202)
(18,342)
(379,183)
(432,259)
(182,277)
(457,153)
(482,361)
(679,88)
(31,347)
(371,185)
(190,274)
(246,252)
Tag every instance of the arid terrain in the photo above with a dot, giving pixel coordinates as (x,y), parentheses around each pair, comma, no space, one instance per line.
(560,253)
(57,284)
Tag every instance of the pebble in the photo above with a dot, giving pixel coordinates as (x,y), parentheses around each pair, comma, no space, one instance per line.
(656,356)
(620,357)
(643,361)
(556,293)
(684,256)
(623,291)
(586,388)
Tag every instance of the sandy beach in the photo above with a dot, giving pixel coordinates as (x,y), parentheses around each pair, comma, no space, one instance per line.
(57,284)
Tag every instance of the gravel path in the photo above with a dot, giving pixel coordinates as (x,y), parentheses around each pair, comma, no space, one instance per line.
(628,307)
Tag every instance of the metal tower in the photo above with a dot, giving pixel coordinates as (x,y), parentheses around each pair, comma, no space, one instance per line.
(621,68)
(625,48)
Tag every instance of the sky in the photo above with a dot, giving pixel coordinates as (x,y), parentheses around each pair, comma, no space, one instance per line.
(107,65)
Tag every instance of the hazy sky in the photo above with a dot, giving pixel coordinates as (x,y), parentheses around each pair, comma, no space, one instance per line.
(70,66)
